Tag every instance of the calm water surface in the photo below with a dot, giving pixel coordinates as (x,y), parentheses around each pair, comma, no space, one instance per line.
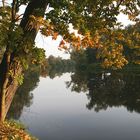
(54,112)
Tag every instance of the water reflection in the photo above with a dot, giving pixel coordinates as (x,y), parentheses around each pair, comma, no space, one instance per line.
(57,113)
(108,89)
(103,90)
(23,97)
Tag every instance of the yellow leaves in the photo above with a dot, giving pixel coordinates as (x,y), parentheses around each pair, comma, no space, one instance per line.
(120,36)
(116,63)
(82,42)
(120,62)
(87,41)
(12,131)
(111,49)
(114,59)
(72,40)
(107,63)
(137,62)
(34,23)
(47,29)
(131,17)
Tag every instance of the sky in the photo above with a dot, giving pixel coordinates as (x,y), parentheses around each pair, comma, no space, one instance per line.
(124,19)
(50,46)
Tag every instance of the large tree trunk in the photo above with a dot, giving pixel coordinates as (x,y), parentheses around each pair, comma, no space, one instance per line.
(4,68)
(36,8)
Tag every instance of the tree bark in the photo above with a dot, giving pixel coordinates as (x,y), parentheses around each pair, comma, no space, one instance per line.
(36,8)
(4,68)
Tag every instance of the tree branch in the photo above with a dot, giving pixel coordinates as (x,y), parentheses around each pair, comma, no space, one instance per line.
(13,10)
(118,5)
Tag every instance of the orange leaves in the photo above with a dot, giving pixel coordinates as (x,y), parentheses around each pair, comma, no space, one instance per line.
(62,45)
(113,57)
(87,41)
(54,36)
(81,42)
(47,29)
(111,51)
(92,41)
(76,43)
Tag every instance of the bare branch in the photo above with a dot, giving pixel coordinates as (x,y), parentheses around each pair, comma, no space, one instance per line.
(120,2)
(18,17)
(3,3)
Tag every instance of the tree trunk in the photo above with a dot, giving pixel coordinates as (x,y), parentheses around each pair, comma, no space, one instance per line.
(4,68)
(2,106)
(36,8)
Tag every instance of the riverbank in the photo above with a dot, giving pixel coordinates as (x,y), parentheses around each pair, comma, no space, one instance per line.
(11,130)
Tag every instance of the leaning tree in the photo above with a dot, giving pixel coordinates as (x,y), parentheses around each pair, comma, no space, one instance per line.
(95,21)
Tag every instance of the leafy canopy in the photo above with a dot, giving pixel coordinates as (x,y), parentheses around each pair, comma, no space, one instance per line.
(95,21)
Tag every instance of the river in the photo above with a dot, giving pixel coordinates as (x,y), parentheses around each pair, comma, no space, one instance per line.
(55,111)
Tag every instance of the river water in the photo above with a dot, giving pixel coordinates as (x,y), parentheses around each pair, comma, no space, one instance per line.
(57,110)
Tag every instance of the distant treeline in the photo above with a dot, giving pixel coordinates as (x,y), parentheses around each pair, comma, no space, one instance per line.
(56,66)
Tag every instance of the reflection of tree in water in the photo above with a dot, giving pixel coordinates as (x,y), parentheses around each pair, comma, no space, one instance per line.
(78,82)
(23,96)
(59,70)
(108,90)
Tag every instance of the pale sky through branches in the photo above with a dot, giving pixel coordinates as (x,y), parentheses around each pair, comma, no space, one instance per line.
(51,46)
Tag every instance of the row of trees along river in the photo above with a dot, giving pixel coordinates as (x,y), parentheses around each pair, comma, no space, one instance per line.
(101,44)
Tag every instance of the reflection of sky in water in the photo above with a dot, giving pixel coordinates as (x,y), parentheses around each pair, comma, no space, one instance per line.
(59,114)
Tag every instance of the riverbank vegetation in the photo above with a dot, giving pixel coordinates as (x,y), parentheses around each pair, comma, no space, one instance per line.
(11,130)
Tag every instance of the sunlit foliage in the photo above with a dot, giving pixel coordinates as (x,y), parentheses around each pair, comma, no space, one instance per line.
(95,22)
